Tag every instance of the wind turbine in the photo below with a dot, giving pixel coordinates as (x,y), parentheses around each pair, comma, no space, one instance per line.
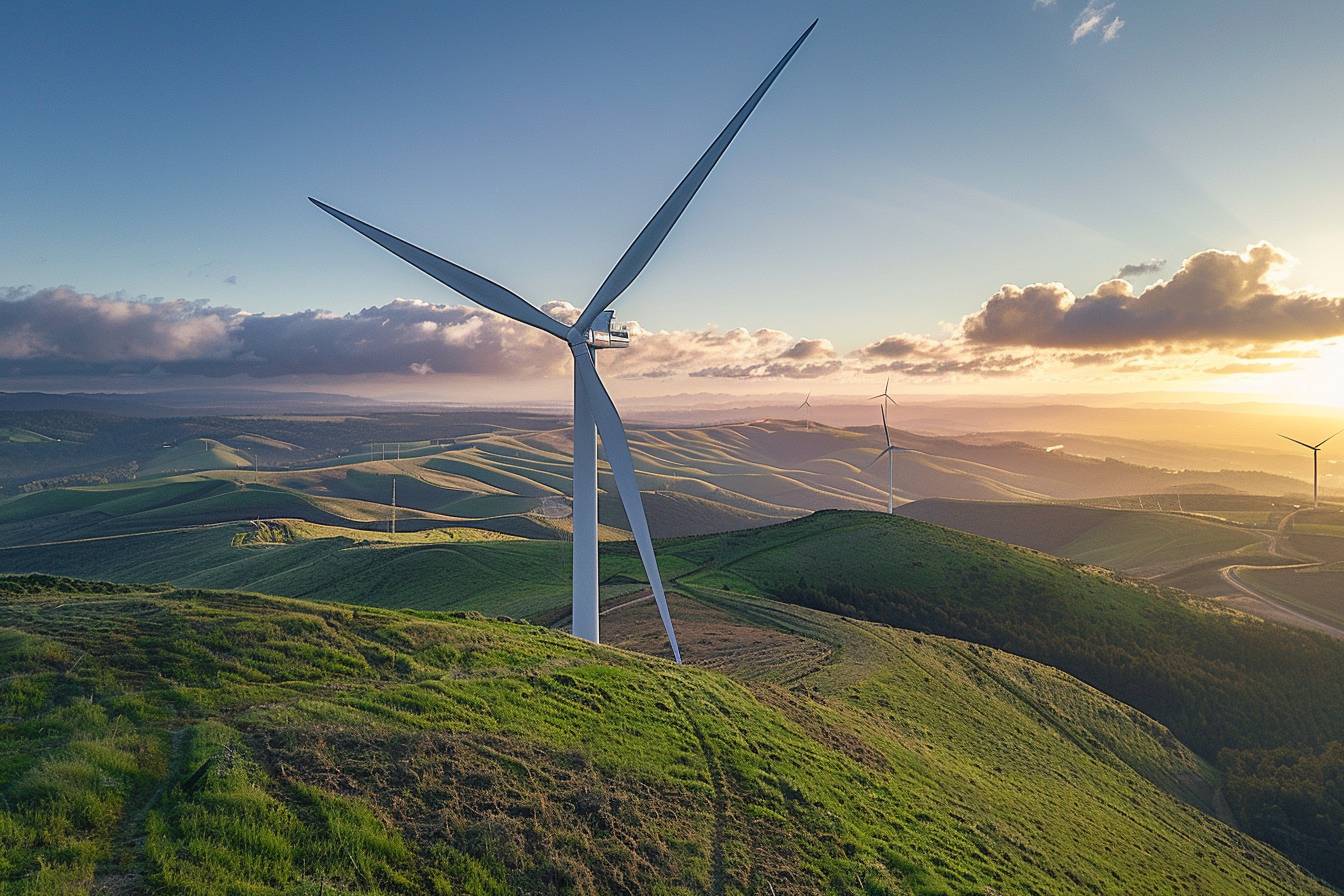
(593,330)
(885,396)
(1315,464)
(890,452)
(807,403)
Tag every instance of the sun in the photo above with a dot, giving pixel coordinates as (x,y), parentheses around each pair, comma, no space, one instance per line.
(1318,380)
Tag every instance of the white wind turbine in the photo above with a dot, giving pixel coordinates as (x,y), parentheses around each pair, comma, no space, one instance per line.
(885,396)
(1315,464)
(807,403)
(593,330)
(890,453)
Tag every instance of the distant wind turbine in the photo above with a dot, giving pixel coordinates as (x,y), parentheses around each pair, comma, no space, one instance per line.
(889,452)
(885,396)
(1315,464)
(593,330)
(807,403)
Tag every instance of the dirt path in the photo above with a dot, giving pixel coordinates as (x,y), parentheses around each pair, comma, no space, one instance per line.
(1270,606)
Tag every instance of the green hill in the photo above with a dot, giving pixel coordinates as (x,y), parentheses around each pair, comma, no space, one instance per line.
(1227,684)
(19,435)
(191,455)
(204,742)
(1145,543)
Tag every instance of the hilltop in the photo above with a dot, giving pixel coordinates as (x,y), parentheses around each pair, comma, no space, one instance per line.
(188,741)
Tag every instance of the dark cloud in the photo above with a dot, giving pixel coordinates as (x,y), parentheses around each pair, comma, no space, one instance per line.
(1140,268)
(231,280)
(60,331)
(983,365)
(916,356)
(1216,298)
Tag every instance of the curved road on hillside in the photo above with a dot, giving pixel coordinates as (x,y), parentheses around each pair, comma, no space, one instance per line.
(1231,575)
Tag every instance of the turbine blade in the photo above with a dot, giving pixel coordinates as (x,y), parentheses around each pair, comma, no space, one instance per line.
(653,234)
(617,451)
(1323,441)
(881,454)
(1303,444)
(483,292)
(886,432)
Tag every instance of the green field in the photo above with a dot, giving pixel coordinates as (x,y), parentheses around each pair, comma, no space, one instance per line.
(188,742)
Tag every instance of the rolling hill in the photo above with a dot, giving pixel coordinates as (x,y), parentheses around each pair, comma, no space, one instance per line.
(192,455)
(190,742)
(698,480)
(1138,542)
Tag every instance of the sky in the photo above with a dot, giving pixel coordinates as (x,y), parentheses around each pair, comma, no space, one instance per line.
(942,192)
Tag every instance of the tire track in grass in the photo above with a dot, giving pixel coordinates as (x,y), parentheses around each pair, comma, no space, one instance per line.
(718,875)
(123,871)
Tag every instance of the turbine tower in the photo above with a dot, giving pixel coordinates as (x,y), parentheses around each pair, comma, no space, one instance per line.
(890,452)
(807,403)
(1315,464)
(594,329)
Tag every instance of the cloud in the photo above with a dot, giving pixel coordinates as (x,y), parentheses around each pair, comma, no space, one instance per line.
(1216,298)
(1139,268)
(1112,31)
(918,356)
(1042,4)
(1219,312)
(231,280)
(1092,18)
(59,331)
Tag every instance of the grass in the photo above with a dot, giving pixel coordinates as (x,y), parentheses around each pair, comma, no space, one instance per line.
(1317,592)
(200,742)
(1132,541)
(191,455)
(19,435)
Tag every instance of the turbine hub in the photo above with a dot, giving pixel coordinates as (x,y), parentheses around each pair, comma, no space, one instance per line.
(606,333)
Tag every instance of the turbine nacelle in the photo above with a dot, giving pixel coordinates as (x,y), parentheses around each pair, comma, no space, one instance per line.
(605,333)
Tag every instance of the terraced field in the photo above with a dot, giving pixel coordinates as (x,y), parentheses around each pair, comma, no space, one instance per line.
(192,742)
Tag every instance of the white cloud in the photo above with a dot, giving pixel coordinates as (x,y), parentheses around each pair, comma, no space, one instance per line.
(1091,18)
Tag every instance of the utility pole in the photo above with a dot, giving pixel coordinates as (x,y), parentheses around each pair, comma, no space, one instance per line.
(394,505)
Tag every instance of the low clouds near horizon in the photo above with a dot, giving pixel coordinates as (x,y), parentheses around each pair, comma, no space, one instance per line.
(1216,298)
(1229,303)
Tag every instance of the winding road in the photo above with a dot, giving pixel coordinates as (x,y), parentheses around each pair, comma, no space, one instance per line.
(1281,610)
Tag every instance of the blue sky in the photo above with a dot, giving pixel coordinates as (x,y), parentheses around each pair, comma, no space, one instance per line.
(912,159)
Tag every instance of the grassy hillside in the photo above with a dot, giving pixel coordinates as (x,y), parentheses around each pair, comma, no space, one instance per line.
(1157,649)
(195,454)
(1146,543)
(195,742)
(21,436)
(1225,683)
